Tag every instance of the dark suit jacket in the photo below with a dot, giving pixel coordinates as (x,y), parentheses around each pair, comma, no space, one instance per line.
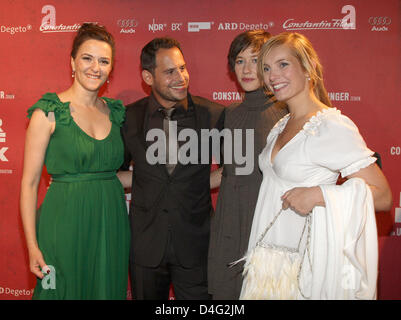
(180,202)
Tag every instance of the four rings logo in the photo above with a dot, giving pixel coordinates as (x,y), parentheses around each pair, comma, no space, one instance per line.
(127,25)
(379,23)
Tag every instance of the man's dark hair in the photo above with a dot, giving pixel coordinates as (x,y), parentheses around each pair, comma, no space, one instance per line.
(148,54)
(254,39)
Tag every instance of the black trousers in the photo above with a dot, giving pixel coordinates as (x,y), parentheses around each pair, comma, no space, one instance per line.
(149,283)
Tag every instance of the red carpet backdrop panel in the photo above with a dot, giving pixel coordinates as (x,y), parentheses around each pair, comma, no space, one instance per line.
(358,42)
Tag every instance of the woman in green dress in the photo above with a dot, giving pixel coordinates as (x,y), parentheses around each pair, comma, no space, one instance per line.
(79,244)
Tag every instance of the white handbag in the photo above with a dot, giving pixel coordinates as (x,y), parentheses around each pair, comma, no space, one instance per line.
(272,272)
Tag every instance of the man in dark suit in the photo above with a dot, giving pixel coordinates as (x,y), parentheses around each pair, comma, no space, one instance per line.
(171,205)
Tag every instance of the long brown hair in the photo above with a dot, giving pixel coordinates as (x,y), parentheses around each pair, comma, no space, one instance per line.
(303,50)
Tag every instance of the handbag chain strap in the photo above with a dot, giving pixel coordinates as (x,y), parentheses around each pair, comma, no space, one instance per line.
(308,223)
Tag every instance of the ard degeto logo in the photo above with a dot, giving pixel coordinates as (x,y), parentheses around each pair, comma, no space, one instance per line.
(127,25)
(379,23)
(15,29)
(242,26)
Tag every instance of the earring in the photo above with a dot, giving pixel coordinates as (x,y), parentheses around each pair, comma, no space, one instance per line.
(108,81)
(308,78)
(73,74)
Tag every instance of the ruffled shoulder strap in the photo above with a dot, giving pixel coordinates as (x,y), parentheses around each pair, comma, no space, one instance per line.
(51,103)
(311,127)
(280,125)
(117,110)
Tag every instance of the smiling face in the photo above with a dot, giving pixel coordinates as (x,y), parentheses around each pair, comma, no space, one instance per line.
(284,75)
(92,64)
(170,79)
(246,69)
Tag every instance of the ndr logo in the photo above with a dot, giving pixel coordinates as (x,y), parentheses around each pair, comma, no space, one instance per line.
(49,22)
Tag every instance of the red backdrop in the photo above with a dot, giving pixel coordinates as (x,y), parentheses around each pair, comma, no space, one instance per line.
(358,42)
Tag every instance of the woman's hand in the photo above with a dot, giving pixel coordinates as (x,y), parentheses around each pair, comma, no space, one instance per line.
(302,200)
(37,263)
(215,178)
(125,178)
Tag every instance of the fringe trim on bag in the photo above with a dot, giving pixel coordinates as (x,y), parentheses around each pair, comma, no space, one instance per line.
(270,274)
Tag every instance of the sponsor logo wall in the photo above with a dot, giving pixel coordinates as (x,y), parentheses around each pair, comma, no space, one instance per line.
(356,41)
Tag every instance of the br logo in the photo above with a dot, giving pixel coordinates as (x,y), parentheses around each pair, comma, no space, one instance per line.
(49,280)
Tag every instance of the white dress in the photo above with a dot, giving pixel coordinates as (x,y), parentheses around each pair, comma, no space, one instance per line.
(328,144)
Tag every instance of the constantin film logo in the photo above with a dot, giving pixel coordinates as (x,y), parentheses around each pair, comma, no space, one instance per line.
(348,22)
(226,96)
(379,23)
(236,96)
(49,25)
(128,25)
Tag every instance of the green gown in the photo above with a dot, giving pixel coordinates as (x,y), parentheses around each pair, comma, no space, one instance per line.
(83,230)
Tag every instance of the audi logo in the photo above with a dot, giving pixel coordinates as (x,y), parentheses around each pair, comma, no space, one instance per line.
(379,21)
(127,23)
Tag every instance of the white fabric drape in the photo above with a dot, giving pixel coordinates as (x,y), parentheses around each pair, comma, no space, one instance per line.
(344,244)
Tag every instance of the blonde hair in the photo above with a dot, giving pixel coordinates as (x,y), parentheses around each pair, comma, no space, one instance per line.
(302,49)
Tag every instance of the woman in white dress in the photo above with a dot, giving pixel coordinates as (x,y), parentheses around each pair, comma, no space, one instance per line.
(311,238)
